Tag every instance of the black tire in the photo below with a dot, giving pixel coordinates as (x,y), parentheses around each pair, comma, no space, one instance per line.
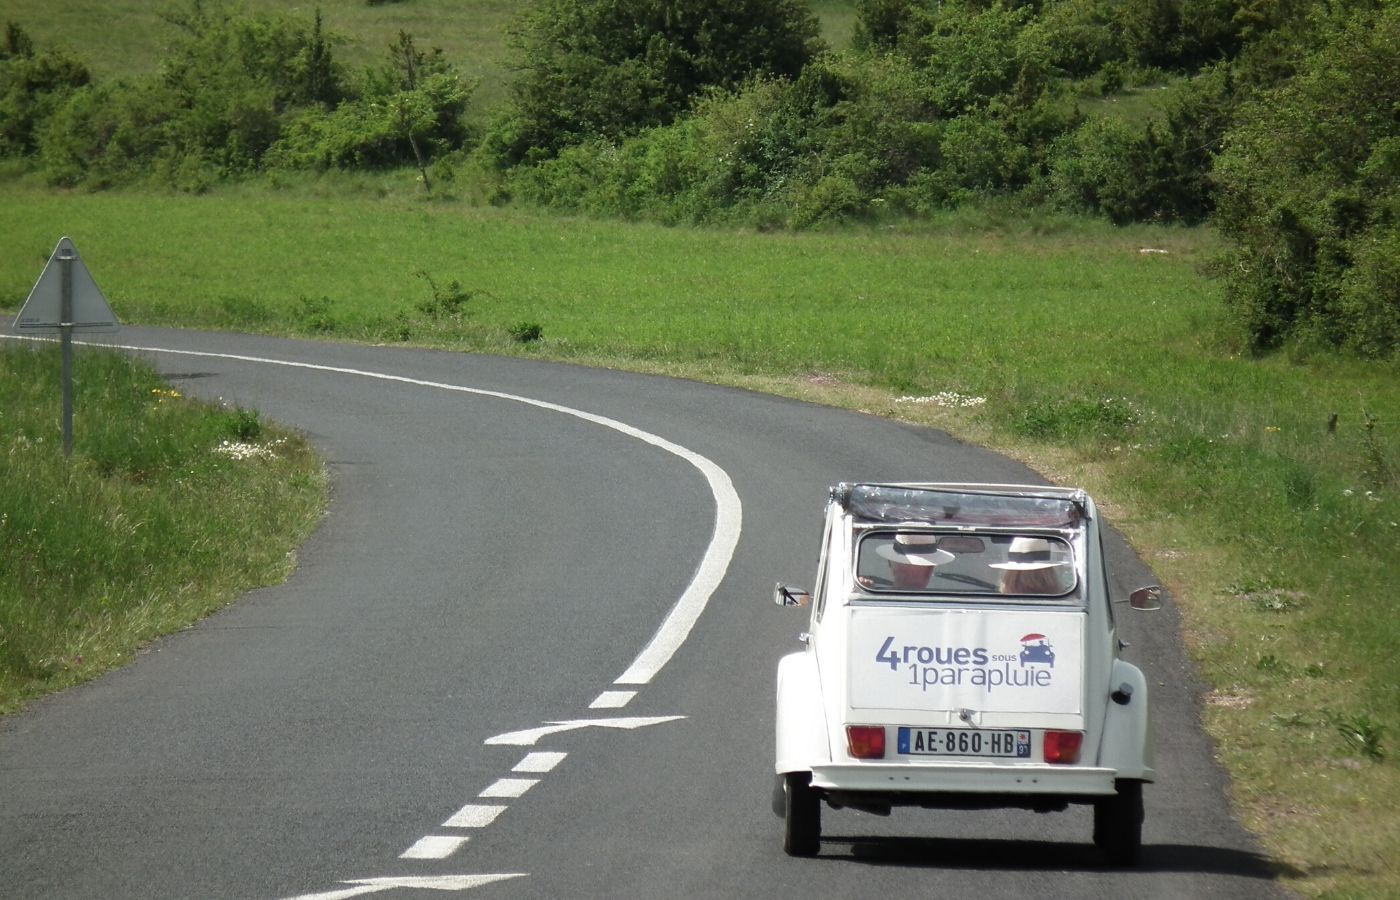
(1118,824)
(802,815)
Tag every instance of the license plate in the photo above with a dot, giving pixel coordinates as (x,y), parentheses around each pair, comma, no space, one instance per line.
(1013,743)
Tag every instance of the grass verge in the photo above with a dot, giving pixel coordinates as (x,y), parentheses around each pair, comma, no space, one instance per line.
(166,510)
(1262,490)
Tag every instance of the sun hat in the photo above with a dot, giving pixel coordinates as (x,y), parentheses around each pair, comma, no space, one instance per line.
(916,549)
(1030,553)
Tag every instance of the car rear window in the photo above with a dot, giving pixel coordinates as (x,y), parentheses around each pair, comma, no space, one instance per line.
(909,561)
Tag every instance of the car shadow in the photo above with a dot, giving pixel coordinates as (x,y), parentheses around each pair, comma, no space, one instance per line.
(970,853)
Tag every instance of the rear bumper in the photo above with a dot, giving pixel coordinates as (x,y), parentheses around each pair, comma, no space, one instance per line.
(877,778)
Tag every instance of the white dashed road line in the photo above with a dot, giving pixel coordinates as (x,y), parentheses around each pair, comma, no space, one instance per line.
(474,815)
(539,761)
(612,700)
(509,788)
(435,846)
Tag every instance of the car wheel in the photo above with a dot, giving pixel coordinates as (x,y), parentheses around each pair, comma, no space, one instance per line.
(1118,823)
(802,815)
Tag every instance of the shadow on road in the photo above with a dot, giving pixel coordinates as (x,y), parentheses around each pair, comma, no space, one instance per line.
(963,853)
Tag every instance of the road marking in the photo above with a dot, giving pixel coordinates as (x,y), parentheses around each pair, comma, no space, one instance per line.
(427,883)
(529,736)
(474,815)
(509,788)
(434,846)
(612,700)
(539,762)
(669,637)
(729,511)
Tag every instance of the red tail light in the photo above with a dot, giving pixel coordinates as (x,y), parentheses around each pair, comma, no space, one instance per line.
(1063,746)
(866,741)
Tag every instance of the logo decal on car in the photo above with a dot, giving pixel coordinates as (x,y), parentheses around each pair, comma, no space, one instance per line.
(1035,648)
(985,659)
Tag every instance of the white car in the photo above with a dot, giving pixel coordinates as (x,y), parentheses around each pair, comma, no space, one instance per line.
(962,654)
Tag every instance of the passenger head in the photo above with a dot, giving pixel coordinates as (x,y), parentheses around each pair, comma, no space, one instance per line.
(1031,568)
(912,558)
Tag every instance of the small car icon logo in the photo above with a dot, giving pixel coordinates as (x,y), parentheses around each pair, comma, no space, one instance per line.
(1036,649)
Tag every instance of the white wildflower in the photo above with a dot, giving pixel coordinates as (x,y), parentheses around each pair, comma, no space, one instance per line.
(239,450)
(946,399)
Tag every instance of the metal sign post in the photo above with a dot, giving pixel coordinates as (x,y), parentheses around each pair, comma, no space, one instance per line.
(65,331)
(65,299)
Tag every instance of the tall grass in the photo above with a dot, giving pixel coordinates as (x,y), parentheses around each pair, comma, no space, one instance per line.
(1263,490)
(166,510)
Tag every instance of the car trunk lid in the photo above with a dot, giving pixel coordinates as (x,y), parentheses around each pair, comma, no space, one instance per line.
(1018,667)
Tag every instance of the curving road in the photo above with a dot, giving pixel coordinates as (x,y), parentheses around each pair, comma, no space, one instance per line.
(529,654)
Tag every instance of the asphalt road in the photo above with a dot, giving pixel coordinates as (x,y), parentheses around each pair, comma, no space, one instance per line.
(431,705)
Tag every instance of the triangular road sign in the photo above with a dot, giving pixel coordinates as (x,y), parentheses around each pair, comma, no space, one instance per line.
(42,313)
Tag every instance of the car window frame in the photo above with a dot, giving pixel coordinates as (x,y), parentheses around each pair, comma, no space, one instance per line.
(1076,595)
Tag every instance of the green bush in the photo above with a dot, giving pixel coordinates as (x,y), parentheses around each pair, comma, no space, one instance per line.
(1157,171)
(419,103)
(816,149)
(217,105)
(973,55)
(1097,168)
(32,85)
(610,68)
(104,134)
(1310,177)
(1179,35)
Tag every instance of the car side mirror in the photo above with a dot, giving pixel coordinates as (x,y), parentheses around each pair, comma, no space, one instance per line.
(787,595)
(1146,598)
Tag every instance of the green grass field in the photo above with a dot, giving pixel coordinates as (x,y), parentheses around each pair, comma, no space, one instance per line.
(167,510)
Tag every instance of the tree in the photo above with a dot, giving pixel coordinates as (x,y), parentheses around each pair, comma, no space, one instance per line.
(32,86)
(1310,197)
(609,68)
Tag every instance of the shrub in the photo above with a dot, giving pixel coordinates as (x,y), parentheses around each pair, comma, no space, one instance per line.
(973,54)
(610,68)
(1160,171)
(32,86)
(1099,168)
(883,25)
(104,134)
(526,332)
(1310,176)
(219,102)
(1179,35)
(378,129)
